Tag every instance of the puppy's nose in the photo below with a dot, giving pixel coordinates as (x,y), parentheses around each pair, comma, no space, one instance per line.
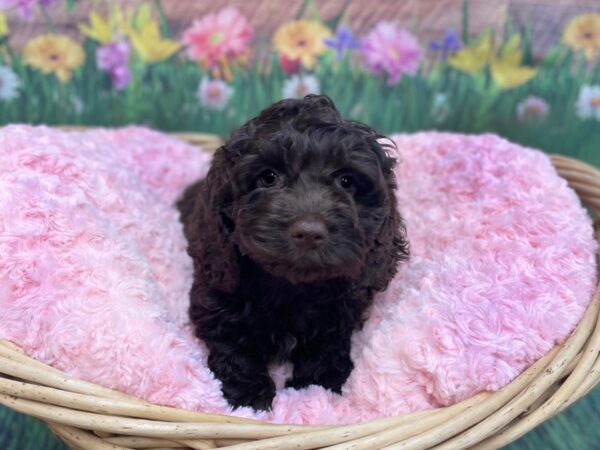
(308,232)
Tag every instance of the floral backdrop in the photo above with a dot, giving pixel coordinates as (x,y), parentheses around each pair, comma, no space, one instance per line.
(124,64)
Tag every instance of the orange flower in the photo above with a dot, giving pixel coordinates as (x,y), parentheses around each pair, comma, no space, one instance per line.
(53,53)
(583,33)
(301,39)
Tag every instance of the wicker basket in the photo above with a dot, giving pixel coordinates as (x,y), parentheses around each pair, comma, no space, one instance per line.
(87,416)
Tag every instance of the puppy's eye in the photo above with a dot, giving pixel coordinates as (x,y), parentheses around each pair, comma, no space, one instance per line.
(347,182)
(268,178)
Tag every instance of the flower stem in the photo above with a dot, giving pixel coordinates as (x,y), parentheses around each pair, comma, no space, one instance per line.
(164,22)
(48,19)
(465,21)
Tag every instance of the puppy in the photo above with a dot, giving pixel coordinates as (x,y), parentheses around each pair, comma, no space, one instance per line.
(292,232)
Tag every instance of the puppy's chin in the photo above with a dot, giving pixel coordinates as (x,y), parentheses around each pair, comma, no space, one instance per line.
(300,274)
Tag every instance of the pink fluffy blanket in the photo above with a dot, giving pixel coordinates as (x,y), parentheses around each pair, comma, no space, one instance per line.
(94,275)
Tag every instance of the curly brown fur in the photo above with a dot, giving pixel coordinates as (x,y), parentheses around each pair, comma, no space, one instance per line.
(292,232)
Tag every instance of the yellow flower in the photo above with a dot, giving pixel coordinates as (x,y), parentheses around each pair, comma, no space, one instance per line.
(301,39)
(507,75)
(99,29)
(53,53)
(507,70)
(149,45)
(3,25)
(104,30)
(473,59)
(583,33)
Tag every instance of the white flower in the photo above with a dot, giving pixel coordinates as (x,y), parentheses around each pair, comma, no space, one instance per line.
(299,86)
(9,83)
(356,110)
(214,94)
(588,103)
(532,109)
(440,108)
(77,104)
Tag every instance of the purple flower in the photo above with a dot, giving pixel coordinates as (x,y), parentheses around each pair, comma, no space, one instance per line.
(112,55)
(120,77)
(114,59)
(388,49)
(25,7)
(344,40)
(450,44)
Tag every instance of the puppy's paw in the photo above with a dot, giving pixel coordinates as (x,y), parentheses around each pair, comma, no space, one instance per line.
(299,383)
(329,373)
(256,393)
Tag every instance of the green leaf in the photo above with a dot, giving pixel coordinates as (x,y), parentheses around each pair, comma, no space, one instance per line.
(164,21)
(69,5)
(527,47)
(465,21)
(303,8)
(333,23)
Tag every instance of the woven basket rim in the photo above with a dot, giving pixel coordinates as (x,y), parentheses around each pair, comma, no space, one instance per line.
(88,416)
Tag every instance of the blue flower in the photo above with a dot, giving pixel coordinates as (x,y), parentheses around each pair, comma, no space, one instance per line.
(344,40)
(450,44)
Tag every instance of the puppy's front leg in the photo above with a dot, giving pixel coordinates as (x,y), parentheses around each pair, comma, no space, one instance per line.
(326,363)
(245,380)
(233,357)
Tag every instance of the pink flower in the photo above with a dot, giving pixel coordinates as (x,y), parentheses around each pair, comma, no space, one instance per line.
(25,7)
(217,37)
(391,50)
(532,109)
(214,94)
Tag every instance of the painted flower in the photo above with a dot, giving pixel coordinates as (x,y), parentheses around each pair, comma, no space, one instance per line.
(99,29)
(508,76)
(440,108)
(391,50)
(118,23)
(301,39)
(449,44)
(344,40)
(218,38)
(289,66)
(53,53)
(77,104)
(214,94)
(506,68)
(9,83)
(588,102)
(114,59)
(532,109)
(3,25)
(25,7)
(583,33)
(149,44)
(299,86)
(474,58)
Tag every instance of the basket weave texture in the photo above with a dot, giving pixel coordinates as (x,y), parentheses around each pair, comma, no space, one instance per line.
(88,416)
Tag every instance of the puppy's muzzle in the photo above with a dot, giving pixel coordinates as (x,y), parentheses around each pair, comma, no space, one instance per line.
(308,232)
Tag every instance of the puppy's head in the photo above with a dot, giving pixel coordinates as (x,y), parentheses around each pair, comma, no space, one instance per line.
(305,195)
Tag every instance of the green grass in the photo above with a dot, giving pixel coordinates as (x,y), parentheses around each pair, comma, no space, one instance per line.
(164,96)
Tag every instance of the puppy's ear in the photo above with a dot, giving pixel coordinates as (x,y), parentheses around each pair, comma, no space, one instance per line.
(208,227)
(389,248)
